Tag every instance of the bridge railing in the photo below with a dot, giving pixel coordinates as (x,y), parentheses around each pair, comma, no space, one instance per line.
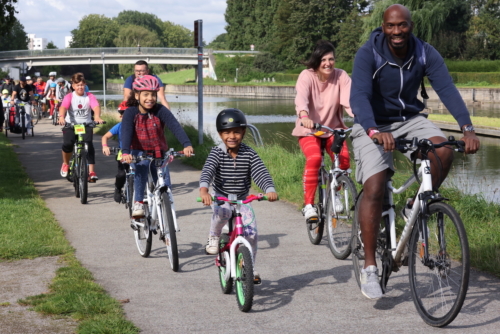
(96,51)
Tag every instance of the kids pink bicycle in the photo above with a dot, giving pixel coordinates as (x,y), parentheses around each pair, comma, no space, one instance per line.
(235,258)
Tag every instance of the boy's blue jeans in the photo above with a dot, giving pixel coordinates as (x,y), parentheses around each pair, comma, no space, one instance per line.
(141,175)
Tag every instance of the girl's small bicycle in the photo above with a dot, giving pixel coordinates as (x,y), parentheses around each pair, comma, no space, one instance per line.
(235,258)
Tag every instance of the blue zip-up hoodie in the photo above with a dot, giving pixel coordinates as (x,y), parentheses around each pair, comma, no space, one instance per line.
(384,94)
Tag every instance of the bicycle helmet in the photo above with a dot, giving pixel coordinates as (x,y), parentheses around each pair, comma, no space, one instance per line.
(53,85)
(122,107)
(5,91)
(146,82)
(230,118)
(52,74)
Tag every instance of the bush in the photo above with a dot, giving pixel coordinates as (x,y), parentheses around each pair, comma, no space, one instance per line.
(473,65)
(267,63)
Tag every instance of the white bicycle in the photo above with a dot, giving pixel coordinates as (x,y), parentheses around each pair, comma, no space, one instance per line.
(159,211)
(433,243)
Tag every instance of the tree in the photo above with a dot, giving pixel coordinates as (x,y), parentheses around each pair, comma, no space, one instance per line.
(148,21)
(132,36)
(219,43)
(349,32)
(7,18)
(15,38)
(94,31)
(51,45)
(176,36)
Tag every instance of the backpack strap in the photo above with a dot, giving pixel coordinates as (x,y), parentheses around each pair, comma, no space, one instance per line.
(421,57)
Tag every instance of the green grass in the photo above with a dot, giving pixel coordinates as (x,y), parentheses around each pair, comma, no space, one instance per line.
(476,120)
(28,230)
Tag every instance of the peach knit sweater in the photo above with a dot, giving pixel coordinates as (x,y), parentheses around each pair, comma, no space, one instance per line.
(322,100)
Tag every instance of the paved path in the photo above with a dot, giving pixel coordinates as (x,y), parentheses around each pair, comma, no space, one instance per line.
(304,288)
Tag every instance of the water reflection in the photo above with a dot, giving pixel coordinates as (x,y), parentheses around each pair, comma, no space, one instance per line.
(476,174)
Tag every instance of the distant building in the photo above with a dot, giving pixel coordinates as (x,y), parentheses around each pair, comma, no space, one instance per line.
(36,43)
(67,41)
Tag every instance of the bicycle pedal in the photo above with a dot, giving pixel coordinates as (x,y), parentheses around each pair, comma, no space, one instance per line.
(155,232)
(257,281)
(134,227)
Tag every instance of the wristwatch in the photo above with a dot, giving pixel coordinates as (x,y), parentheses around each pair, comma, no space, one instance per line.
(468,128)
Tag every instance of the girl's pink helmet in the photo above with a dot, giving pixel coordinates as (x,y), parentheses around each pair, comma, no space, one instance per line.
(146,82)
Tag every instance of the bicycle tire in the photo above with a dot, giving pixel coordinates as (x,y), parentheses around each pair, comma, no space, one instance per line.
(339,224)
(439,289)
(32,129)
(73,173)
(23,126)
(315,230)
(55,116)
(6,124)
(143,235)
(83,173)
(358,253)
(169,236)
(35,114)
(226,285)
(244,279)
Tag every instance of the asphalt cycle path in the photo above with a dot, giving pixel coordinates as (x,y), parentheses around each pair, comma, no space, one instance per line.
(304,288)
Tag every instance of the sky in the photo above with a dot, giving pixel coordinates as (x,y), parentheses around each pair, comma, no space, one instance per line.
(54,19)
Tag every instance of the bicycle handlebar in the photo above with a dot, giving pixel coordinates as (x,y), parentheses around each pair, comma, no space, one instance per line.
(71,125)
(250,198)
(318,126)
(403,144)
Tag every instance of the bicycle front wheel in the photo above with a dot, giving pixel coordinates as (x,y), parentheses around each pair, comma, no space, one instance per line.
(55,116)
(226,282)
(143,234)
(339,216)
(315,229)
(244,279)
(439,284)
(170,237)
(23,126)
(83,173)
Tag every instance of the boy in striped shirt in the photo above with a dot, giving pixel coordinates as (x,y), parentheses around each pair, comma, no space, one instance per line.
(230,168)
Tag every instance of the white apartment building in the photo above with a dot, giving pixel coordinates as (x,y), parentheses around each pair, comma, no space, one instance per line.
(36,43)
(67,41)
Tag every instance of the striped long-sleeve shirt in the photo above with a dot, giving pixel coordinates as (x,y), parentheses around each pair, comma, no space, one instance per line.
(233,176)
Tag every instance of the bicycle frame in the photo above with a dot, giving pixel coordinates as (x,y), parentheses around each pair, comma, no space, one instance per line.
(397,248)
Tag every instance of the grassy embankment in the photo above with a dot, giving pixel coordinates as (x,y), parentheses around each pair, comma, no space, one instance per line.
(481,218)
(28,230)
(476,120)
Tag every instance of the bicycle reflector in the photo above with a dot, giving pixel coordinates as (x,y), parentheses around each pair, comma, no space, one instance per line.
(319,133)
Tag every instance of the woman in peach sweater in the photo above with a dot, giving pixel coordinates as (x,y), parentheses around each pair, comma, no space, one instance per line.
(322,94)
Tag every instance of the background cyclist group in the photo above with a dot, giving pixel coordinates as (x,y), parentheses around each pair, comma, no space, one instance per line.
(381,96)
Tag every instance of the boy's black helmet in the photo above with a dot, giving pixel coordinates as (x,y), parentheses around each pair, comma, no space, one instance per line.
(230,118)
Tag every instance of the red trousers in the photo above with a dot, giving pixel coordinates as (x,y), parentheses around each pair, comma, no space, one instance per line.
(311,147)
(52,105)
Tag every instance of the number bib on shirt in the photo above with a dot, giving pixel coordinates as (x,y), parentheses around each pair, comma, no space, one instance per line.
(80,129)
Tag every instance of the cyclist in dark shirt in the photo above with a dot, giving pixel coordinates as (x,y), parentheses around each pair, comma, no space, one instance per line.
(8,84)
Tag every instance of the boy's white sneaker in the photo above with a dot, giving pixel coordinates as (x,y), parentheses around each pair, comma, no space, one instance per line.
(212,246)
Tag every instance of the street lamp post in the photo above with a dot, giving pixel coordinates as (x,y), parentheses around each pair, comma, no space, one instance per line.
(103,80)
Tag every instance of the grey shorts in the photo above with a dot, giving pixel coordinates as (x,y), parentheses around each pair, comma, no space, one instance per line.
(371,159)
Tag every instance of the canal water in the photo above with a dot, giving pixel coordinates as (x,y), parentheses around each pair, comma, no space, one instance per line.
(475,174)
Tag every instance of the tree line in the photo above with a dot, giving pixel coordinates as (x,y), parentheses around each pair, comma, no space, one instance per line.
(288,29)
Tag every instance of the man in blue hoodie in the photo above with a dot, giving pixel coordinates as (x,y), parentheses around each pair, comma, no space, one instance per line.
(387,72)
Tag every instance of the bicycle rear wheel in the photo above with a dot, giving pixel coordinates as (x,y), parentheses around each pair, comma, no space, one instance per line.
(143,234)
(439,286)
(315,230)
(170,237)
(339,216)
(83,174)
(55,117)
(244,279)
(226,283)
(358,252)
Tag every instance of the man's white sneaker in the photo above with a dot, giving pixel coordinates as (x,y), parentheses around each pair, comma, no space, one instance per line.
(212,246)
(370,286)
(138,210)
(309,212)
(50,117)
